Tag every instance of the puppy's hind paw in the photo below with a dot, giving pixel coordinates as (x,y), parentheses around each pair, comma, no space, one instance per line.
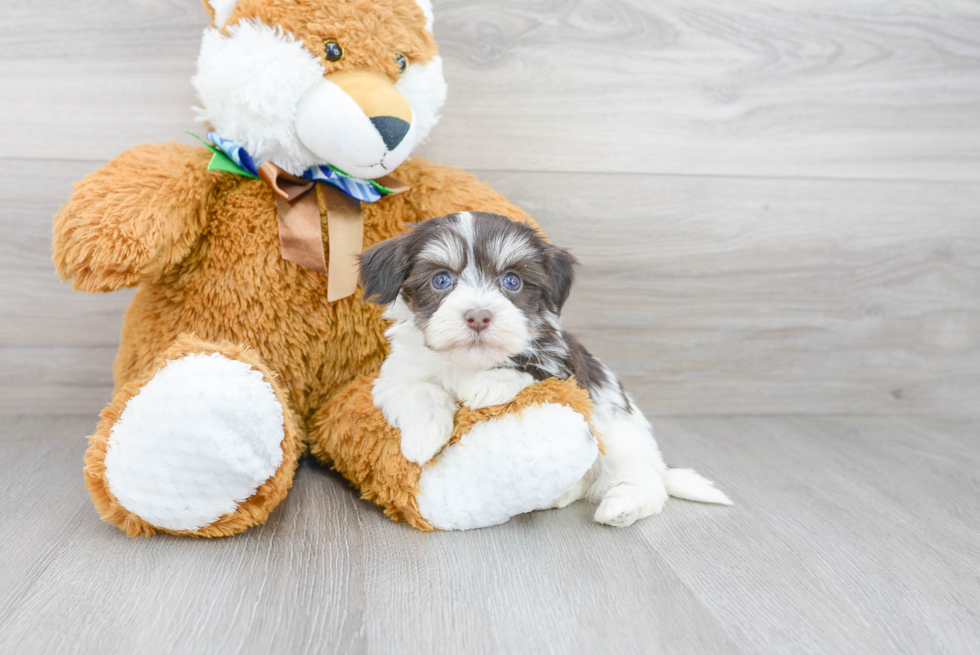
(624,504)
(617,511)
(578,491)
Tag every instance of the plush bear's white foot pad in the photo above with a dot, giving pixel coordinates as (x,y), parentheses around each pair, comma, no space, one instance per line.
(507,466)
(197,440)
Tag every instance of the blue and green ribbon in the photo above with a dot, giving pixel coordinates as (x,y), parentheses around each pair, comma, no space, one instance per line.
(232,158)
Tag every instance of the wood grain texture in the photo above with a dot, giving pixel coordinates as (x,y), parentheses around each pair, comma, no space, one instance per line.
(758,87)
(725,295)
(775,205)
(707,294)
(868,524)
(849,535)
(56,344)
(800,233)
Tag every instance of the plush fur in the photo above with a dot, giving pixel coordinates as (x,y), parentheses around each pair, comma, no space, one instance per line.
(475,302)
(220,321)
(202,248)
(265,83)
(217,302)
(548,448)
(199,439)
(356,440)
(251,81)
(221,10)
(253,510)
(424,86)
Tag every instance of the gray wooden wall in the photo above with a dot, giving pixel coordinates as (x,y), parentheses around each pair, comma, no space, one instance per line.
(776,202)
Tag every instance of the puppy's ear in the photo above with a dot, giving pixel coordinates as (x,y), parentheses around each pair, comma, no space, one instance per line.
(384,268)
(561,270)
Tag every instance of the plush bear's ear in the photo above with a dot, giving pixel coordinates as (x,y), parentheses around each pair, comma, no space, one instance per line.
(426,6)
(561,269)
(219,10)
(384,268)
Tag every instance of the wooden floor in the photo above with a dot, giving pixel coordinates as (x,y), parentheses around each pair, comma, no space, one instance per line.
(849,535)
(777,207)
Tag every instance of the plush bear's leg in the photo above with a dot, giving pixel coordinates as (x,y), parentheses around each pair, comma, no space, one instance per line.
(501,461)
(203,446)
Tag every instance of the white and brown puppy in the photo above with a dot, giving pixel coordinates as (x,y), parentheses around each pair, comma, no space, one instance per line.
(475,301)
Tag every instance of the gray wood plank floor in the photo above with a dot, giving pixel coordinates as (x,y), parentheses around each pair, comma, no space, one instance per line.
(776,208)
(849,535)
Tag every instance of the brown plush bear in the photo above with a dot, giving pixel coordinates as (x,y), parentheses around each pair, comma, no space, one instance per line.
(246,343)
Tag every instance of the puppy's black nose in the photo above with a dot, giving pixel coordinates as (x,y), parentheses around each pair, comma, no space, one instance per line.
(477,319)
(391,129)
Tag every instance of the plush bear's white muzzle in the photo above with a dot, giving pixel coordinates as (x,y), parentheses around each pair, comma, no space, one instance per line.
(358,122)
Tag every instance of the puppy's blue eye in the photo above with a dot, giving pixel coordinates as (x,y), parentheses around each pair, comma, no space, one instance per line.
(511,282)
(442,281)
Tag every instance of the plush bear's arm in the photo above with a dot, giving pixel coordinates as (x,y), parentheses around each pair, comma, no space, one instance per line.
(351,434)
(133,218)
(440,190)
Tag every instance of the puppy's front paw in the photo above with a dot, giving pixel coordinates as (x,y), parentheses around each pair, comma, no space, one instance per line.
(494,387)
(625,503)
(422,439)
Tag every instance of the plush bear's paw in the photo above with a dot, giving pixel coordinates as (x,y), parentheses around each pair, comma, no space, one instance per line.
(625,503)
(196,441)
(494,387)
(505,466)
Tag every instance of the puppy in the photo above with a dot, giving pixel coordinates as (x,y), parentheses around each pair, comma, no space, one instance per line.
(475,301)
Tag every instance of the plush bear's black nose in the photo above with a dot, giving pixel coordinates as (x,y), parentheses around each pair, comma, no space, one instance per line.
(391,129)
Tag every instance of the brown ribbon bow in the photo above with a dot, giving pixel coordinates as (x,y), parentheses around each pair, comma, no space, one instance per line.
(300,231)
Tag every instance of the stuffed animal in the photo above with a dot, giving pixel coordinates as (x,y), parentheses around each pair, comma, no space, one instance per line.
(248,343)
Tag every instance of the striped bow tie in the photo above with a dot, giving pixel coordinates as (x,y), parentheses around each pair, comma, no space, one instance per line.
(355,187)
(300,229)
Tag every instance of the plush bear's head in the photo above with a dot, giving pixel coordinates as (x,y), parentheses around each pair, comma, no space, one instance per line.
(356,84)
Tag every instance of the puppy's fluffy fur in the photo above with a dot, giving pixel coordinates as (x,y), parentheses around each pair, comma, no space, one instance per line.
(475,301)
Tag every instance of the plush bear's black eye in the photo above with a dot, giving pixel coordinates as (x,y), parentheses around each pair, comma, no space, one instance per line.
(401,61)
(332,50)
